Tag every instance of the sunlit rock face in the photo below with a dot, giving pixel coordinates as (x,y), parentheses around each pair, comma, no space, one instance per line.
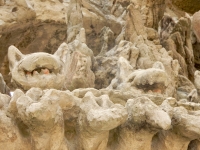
(99,75)
(36,70)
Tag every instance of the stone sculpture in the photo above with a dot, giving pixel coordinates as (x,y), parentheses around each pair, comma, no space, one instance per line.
(39,69)
(66,69)
(99,75)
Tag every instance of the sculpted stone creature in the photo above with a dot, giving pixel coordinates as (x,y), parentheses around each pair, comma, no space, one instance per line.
(68,68)
(145,80)
(35,70)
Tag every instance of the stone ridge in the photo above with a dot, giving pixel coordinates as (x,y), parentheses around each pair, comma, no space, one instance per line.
(99,75)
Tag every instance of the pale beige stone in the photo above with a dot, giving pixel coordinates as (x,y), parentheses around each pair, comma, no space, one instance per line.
(175,37)
(141,112)
(144,80)
(108,64)
(41,112)
(185,126)
(98,116)
(196,80)
(35,70)
(11,137)
(195,24)
(69,67)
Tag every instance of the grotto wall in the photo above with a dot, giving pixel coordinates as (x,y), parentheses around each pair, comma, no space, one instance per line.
(99,75)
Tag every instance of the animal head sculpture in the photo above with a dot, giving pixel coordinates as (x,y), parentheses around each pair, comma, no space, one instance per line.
(40,69)
(68,68)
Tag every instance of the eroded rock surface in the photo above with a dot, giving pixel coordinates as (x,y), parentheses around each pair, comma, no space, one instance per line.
(69,67)
(183,134)
(144,120)
(99,75)
(190,6)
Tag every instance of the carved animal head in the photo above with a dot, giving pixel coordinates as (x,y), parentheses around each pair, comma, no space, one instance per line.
(153,79)
(40,69)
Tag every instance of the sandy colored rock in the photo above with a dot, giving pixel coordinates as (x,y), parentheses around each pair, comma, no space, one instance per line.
(35,70)
(175,38)
(43,116)
(99,75)
(195,24)
(69,67)
(97,117)
(131,134)
(4,89)
(11,137)
(180,117)
(189,6)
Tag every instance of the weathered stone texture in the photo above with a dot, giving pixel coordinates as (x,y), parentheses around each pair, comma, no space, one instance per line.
(99,75)
(189,6)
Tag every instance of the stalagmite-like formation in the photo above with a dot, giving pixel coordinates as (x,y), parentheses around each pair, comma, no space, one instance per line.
(99,75)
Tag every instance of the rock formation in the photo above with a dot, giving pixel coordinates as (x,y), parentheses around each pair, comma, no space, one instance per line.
(189,6)
(99,75)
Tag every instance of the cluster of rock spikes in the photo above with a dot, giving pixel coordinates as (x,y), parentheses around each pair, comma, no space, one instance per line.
(99,75)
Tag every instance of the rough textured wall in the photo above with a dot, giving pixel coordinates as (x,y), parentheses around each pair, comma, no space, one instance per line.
(190,6)
(99,75)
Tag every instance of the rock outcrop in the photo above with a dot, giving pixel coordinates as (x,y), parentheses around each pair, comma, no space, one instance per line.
(99,75)
(189,6)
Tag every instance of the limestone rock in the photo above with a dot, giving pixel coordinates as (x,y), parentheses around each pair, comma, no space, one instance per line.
(196,44)
(30,37)
(97,117)
(74,20)
(190,6)
(152,79)
(11,137)
(78,60)
(35,70)
(48,71)
(106,75)
(184,87)
(134,134)
(151,11)
(195,24)
(41,112)
(105,69)
(4,89)
(196,80)
(175,38)
(180,117)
